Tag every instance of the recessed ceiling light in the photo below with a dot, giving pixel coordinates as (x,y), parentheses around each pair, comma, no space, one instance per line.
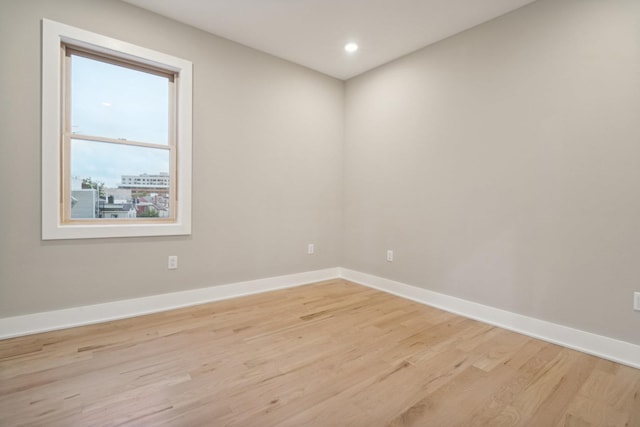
(351,47)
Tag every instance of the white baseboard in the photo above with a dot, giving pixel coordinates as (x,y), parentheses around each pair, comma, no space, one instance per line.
(96,313)
(586,342)
(607,348)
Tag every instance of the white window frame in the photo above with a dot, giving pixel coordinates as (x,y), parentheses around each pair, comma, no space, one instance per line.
(53,35)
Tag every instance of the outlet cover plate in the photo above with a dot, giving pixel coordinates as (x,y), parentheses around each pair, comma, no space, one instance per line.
(172,263)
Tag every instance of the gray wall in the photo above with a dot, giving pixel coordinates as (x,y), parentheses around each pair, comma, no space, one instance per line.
(267,168)
(503,165)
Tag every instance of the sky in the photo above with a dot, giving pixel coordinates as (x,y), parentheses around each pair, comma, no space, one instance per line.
(119,103)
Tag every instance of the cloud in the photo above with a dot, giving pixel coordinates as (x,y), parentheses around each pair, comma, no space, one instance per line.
(105,162)
(117,102)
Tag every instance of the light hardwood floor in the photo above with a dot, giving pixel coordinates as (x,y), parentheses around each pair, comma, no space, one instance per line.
(328,354)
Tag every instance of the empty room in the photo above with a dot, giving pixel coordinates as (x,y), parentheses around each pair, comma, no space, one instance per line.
(320,213)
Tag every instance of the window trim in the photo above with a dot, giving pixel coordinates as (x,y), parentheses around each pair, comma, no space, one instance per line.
(54,34)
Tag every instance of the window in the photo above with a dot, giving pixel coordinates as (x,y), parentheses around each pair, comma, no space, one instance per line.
(116,138)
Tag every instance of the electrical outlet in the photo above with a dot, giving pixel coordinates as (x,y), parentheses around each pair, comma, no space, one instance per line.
(173,262)
(311,249)
(389,255)
(636,301)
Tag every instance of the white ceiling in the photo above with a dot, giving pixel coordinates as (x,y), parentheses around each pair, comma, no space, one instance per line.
(313,32)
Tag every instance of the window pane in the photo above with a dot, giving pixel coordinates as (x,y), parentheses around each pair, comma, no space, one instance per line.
(118,181)
(117,102)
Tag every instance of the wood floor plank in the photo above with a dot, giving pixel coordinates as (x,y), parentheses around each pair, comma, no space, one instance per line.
(328,354)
